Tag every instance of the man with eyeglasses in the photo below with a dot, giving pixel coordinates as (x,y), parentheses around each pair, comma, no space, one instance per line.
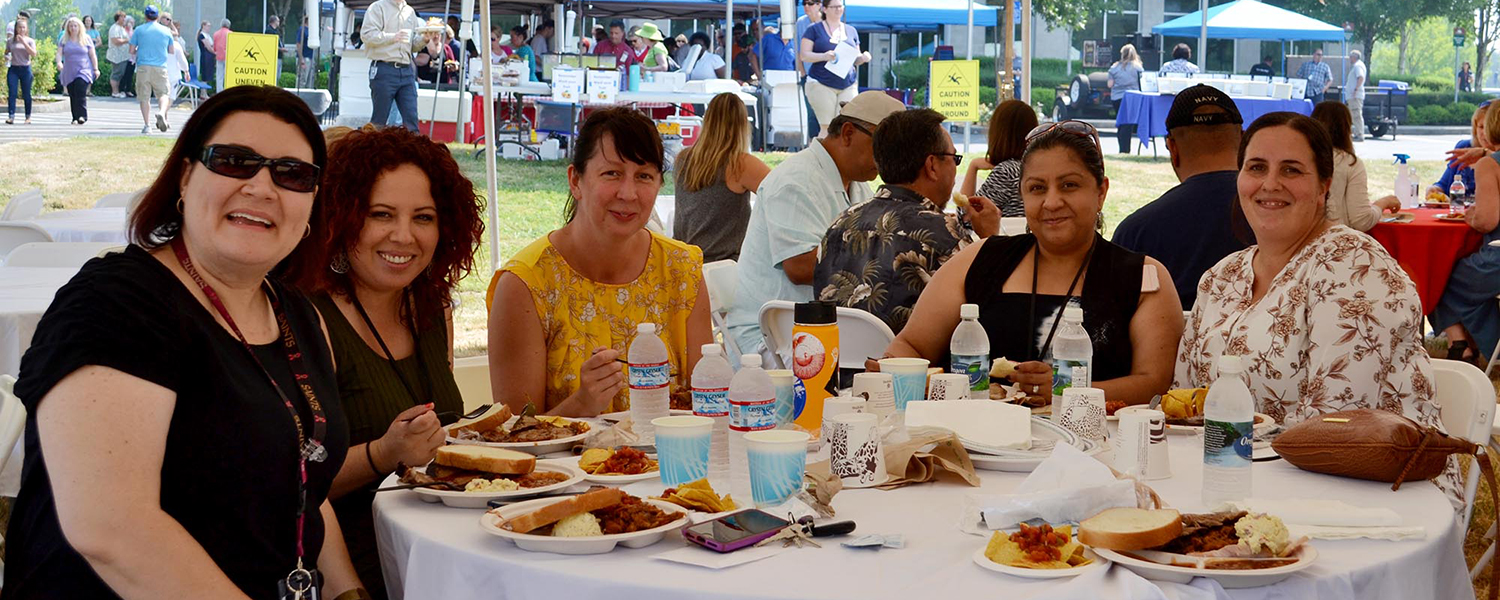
(812,13)
(798,200)
(1189,228)
(897,240)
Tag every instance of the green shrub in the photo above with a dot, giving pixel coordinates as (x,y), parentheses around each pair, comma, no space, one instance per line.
(101,83)
(1428,115)
(1414,99)
(44,67)
(1461,112)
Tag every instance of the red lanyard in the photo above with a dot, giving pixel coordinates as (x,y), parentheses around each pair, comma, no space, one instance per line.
(310,448)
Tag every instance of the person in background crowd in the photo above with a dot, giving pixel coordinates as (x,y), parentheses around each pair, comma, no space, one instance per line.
(649,51)
(564,309)
(1354,93)
(1124,76)
(307,63)
(541,43)
(1318,75)
(824,90)
(127,82)
(152,46)
(1467,312)
(1465,153)
(1466,78)
(615,46)
(177,63)
(812,13)
(1008,127)
(1263,68)
(203,352)
(221,52)
(679,55)
(117,54)
(772,53)
(456,27)
(1181,63)
(714,178)
(206,56)
(897,240)
(499,51)
(1189,228)
(78,67)
(273,27)
(519,48)
(587,44)
(20,48)
(438,58)
(746,66)
(1349,193)
(389,39)
(710,65)
(795,205)
(1133,320)
(1324,319)
(403,225)
(90,29)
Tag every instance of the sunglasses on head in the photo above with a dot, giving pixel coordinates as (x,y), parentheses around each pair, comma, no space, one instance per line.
(1078,128)
(242,163)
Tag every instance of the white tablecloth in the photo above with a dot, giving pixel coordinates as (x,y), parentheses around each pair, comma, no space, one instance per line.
(432,551)
(85,225)
(25,293)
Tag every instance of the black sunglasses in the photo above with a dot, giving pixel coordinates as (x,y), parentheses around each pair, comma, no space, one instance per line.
(957,158)
(241,163)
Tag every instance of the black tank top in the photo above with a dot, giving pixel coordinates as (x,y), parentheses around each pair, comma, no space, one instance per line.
(1111,292)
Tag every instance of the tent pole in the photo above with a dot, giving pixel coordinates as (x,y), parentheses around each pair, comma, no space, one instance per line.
(728,43)
(1203,35)
(1026,42)
(489,141)
(968,55)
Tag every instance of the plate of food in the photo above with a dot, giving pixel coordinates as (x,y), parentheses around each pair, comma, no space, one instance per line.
(621,415)
(617,465)
(1184,410)
(1044,436)
(498,428)
(1040,552)
(1236,549)
(466,476)
(589,523)
(1456,217)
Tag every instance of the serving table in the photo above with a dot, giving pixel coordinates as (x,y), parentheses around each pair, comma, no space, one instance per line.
(435,552)
(1148,110)
(1427,248)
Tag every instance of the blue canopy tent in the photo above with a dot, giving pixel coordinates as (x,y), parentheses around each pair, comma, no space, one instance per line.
(1252,20)
(865,15)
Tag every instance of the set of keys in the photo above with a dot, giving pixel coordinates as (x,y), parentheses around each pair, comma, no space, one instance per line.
(802,531)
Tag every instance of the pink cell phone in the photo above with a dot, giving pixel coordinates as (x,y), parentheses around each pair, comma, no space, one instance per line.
(733,532)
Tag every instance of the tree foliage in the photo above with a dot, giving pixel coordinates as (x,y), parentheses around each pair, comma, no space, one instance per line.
(1065,13)
(1377,20)
(47,16)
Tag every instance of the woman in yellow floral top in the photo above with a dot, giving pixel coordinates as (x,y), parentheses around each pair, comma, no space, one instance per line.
(563,310)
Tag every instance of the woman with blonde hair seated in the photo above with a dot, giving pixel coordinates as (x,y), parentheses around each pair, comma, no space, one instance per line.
(715,177)
(564,310)
(1348,194)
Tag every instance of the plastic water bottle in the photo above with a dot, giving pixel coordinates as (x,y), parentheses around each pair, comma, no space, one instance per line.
(752,407)
(1072,357)
(650,374)
(1228,420)
(1456,195)
(711,377)
(969,350)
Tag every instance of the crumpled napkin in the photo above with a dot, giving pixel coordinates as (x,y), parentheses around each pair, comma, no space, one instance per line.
(907,463)
(620,434)
(1067,487)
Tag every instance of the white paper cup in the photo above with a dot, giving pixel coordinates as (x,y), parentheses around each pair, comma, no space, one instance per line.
(1083,412)
(682,444)
(878,389)
(908,379)
(948,386)
(840,405)
(857,457)
(1140,445)
(778,459)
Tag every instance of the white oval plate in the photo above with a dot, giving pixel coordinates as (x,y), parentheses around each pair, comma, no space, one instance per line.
(1265,422)
(490,523)
(458,499)
(537,448)
(1042,429)
(1023,464)
(617,479)
(984,562)
(619,415)
(1229,578)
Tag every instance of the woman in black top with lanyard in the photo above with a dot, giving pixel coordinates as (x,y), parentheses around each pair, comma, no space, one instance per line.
(403,225)
(170,450)
(1021,283)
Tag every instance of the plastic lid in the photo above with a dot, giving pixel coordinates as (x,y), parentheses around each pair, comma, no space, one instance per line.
(1073,313)
(712,350)
(750,360)
(646,328)
(816,312)
(968,311)
(1229,363)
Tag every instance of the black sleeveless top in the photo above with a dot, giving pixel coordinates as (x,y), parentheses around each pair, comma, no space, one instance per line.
(1111,292)
(229,475)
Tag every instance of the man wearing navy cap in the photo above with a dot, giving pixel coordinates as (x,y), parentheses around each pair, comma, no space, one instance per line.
(1188,228)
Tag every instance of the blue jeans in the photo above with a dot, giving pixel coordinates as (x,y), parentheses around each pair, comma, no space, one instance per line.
(390,83)
(17,79)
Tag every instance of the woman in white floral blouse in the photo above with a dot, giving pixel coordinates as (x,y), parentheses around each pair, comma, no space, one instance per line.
(1325,319)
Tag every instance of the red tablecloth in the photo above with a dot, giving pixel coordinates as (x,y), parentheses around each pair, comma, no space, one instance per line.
(1427,249)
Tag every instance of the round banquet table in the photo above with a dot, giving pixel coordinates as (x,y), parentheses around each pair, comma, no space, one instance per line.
(25,293)
(1427,248)
(84,225)
(431,551)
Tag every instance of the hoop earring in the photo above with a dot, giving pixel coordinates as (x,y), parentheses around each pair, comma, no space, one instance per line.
(307,232)
(339,264)
(179,205)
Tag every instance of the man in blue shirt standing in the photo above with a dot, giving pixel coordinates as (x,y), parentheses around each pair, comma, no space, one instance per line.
(773,53)
(151,43)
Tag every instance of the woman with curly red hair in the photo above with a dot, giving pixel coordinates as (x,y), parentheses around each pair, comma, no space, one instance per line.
(403,225)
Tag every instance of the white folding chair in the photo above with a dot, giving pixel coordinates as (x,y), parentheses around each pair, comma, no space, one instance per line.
(125,200)
(57,254)
(23,206)
(1466,404)
(664,209)
(472,374)
(13,235)
(861,334)
(722,278)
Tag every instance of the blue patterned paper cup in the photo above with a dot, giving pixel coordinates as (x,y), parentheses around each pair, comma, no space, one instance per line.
(778,459)
(682,444)
(908,377)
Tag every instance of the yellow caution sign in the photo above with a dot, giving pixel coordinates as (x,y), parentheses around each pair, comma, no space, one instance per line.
(250,59)
(954,89)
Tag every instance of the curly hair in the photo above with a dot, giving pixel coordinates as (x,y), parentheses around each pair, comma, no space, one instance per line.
(355,162)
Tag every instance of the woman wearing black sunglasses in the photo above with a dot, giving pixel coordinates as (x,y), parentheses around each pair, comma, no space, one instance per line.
(183,423)
(1022,283)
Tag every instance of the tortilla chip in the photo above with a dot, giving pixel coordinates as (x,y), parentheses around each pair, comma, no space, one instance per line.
(700,496)
(593,458)
(1003,551)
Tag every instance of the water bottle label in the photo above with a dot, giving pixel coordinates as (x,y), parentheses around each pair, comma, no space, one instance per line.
(1067,374)
(650,376)
(976,367)
(1227,444)
(757,415)
(711,402)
